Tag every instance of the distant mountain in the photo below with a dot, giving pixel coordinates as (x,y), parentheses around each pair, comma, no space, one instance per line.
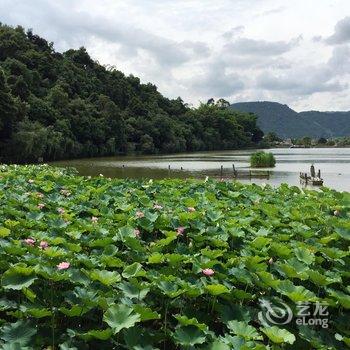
(286,122)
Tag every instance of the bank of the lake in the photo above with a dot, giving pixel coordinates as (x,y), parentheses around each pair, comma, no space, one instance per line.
(333,162)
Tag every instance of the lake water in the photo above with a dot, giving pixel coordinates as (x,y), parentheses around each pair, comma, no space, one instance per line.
(333,162)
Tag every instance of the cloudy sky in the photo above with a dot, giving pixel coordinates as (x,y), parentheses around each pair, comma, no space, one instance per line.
(294,52)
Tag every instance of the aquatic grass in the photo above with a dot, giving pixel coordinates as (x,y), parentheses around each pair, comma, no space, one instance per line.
(262,160)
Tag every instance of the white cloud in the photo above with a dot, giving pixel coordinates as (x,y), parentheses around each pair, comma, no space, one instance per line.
(240,50)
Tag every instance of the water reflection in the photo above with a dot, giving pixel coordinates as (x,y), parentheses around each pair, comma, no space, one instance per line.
(333,162)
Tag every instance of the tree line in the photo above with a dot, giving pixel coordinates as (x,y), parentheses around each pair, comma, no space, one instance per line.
(64,105)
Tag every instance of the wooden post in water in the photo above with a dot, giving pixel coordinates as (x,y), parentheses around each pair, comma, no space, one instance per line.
(222,172)
(234,170)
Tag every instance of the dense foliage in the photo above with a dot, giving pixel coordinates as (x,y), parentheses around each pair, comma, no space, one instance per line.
(62,105)
(262,160)
(287,123)
(123,264)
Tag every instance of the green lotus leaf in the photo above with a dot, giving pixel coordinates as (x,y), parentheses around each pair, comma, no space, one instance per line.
(105,277)
(280,250)
(119,317)
(185,321)
(343,230)
(75,310)
(133,270)
(66,346)
(101,334)
(189,336)
(218,345)
(243,330)
(29,294)
(35,216)
(296,293)
(160,244)
(279,335)
(18,277)
(133,290)
(123,232)
(4,232)
(217,289)
(138,338)
(111,261)
(260,242)
(39,313)
(156,258)
(320,279)
(20,332)
(101,242)
(214,215)
(13,346)
(146,313)
(343,299)
(231,311)
(6,304)
(169,288)
(268,279)
(305,255)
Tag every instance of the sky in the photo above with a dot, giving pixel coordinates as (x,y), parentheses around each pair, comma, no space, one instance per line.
(293,52)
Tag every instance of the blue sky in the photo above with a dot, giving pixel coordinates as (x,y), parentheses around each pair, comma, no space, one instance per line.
(295,52)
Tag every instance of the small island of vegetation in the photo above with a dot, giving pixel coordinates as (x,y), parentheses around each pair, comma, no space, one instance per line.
(262,160)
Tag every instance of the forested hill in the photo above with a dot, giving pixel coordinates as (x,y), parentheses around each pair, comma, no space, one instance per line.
(285,122)
(63,105)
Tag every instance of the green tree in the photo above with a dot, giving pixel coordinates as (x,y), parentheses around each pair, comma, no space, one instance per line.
(8,109)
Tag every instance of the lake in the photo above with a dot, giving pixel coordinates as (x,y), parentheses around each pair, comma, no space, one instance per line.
(333,162)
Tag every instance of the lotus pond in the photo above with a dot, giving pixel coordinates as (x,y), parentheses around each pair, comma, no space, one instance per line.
(94,263)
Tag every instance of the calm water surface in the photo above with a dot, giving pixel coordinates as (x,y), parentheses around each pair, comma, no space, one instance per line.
(333,162)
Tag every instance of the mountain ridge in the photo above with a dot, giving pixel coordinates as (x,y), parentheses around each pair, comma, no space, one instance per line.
(286,122)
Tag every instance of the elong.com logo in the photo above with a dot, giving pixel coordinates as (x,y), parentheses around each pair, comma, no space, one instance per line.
(279,313)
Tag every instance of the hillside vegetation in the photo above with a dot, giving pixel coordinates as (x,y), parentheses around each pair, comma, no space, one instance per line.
(287,123)
(124,264)
(62,105)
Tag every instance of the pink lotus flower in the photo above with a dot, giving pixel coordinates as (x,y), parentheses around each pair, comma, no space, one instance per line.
(137,232)
(191,209)
(65,192)
(63,265)
(271,261)
(336,213)
(29,241)
(41,206)
(208,272)
(140,214)
(101,175)
(158,207)
(61,211)
(40,195)
(94,219)
(43,245)
(180,231)
(31,181)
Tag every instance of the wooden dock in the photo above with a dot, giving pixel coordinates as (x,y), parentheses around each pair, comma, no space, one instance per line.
(243,173)
(309,180)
